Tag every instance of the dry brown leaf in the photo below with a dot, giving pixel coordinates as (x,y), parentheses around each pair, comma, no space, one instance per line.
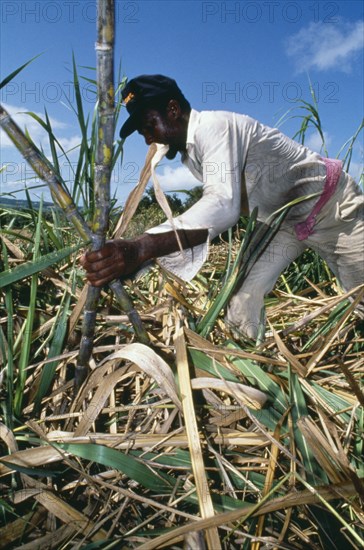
(199,343)
(342,490)
(269,478)
(63,511)
(29,458)
(314,314)
(19,527)
(250,396)
(333,334)
(51,541)
(198,466)
(98,401)
(8,437)
(12,248)
(40,456)
(329,454)
(291,359)
(77,310)
(153,365)
(159,195)
(136,194)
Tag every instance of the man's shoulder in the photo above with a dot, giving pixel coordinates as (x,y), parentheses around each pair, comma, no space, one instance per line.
(223,118)
(213,126)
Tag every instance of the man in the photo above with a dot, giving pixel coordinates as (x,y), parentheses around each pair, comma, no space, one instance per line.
(242,164)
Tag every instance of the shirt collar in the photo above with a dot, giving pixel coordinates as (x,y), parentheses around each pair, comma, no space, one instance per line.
(192,126)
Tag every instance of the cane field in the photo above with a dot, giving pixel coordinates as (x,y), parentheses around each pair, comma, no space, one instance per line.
(131,417)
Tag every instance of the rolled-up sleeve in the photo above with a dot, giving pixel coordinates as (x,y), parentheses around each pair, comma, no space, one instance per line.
(217,151)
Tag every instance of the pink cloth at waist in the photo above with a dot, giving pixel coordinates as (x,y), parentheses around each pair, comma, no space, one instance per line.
(333,171)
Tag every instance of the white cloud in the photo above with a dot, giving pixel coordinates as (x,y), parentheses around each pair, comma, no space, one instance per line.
(314,142)
(70,144)
(324,46)
(16,171)
(23,120)
(176,179)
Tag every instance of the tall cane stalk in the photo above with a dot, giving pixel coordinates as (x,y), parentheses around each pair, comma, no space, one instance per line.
(103,167)
(103,161)
(45,172)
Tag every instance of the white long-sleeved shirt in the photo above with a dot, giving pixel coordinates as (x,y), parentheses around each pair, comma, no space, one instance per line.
(241,164)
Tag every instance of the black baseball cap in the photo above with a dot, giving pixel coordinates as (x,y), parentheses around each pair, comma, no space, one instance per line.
(144,91)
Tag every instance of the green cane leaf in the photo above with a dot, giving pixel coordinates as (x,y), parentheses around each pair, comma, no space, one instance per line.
(27,269)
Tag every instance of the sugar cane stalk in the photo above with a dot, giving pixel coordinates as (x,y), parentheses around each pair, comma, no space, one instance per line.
(103,158)
(45,172)
(103,166)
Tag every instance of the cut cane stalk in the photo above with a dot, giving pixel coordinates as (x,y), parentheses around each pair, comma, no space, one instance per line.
(103,162)
(103,167)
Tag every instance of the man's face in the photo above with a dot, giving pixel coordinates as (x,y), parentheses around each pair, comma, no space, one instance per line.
(166,127)
(154,127)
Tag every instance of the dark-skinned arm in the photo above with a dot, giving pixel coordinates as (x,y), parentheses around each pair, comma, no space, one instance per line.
(121,257)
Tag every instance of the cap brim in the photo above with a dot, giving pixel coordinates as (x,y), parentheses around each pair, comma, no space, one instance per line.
(129,126)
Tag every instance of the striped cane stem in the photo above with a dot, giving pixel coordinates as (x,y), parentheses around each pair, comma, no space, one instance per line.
(103,158)
(45,172)
(103,166)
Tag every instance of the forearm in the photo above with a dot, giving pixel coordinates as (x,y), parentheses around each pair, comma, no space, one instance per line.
(154,245)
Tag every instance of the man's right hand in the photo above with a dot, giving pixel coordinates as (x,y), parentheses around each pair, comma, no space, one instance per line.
(122,257)
(117,258)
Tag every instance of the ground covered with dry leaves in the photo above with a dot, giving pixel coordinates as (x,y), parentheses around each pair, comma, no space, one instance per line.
(194,442)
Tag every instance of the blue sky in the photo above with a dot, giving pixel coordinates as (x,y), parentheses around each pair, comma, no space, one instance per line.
(250,56)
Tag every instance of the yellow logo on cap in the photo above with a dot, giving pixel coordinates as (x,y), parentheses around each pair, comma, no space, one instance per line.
(129,97)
